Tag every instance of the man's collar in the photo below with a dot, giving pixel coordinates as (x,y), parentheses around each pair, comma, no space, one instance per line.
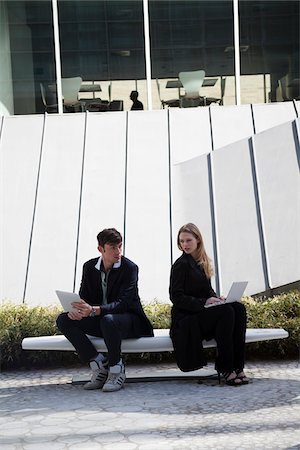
(115,266)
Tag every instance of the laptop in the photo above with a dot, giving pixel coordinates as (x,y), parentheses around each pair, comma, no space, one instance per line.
(66,298)
(234,295)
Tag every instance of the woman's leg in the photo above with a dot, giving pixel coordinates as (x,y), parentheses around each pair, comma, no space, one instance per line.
(218,322)
(239,334)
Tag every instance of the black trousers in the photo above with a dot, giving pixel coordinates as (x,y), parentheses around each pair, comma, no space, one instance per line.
(227,325)
(112,327)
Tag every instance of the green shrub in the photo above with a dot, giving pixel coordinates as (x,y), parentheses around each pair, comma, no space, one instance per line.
(281,311)
(20,321)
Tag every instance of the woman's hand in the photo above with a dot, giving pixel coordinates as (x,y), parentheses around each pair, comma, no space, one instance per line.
(214,300)
(80,310)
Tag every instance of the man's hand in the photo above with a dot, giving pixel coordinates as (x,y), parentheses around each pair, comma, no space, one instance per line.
(80,310)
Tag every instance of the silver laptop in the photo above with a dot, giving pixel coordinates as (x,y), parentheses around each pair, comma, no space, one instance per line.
(236,291)
(234,295)
(66,298)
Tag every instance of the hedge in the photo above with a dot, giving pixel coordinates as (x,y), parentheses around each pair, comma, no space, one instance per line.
(19,321)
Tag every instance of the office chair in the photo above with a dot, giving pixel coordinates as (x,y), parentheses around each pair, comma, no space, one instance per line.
(70,89)
(49,107)
(209,100)
(170,103)
(192,82)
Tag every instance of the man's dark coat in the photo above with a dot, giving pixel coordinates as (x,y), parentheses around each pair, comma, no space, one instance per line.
(122,292)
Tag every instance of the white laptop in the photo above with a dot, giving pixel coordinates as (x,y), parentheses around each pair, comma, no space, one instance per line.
(234,295)
(66,298)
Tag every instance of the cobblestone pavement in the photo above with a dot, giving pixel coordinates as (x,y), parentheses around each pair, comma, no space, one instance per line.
(41,410)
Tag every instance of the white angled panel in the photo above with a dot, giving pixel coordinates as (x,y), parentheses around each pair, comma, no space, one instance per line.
(189,133)
(147,212)
(278,176)
(230,124)
(103,189)
(240,255)
(297,102)
(272,114)
(52,261)
(19,152)
(191,201)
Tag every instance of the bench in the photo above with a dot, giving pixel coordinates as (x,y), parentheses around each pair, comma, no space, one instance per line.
(160,342)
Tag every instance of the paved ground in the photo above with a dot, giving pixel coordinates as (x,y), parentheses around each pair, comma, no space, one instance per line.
(41,410)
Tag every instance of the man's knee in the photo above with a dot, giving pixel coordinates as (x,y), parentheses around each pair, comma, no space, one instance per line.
(62,321)
(108,321)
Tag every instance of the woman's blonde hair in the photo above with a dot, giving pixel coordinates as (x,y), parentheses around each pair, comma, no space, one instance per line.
(201,256)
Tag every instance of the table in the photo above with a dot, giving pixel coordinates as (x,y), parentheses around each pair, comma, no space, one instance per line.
(177,83)
(83,88)
(90,88)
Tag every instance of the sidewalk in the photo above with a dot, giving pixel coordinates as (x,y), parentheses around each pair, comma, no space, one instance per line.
(41,410)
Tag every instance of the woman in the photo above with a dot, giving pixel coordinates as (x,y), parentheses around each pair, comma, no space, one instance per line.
(191,292)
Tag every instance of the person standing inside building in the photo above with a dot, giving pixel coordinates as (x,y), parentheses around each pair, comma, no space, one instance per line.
(110,307)
(136,104)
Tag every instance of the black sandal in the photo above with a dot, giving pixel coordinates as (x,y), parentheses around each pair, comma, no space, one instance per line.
(243,378)
(230,382)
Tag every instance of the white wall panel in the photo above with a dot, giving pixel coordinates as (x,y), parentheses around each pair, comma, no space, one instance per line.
(191,201)
(272,114)
(52,260)
(230,124)
(189,133)
(297,102)
(147,228)
(278,175)
(147,213)
(240,256)
(103,189)
(19,152)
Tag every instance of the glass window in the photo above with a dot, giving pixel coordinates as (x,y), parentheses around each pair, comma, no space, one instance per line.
(269,40)
(27,56)
(190,36)
(103,43)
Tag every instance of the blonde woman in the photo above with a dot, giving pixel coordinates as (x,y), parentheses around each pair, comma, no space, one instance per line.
(192,321)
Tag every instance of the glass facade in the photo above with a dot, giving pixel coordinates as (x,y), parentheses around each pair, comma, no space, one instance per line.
(26,55)
(269,43)
(189,36)
(103,43)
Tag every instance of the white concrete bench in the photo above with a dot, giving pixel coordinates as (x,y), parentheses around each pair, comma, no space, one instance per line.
(161,342)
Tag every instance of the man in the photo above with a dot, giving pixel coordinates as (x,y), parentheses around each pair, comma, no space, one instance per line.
(136,104)
(110,307)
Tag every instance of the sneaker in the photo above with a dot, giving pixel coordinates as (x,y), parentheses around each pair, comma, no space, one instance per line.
(99,375)
(115,379)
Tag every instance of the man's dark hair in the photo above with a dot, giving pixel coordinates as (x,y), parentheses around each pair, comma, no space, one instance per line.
(109,236)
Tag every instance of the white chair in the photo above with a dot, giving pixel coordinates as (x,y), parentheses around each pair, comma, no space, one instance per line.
(70,89)
(191,82)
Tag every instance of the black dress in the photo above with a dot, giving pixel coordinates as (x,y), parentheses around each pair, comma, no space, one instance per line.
(191,322)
